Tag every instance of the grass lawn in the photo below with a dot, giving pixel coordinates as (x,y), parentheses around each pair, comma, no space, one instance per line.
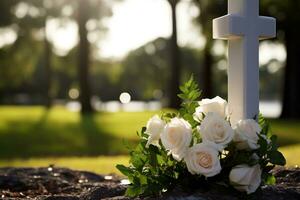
(33,136)
(106,164)
(35,132)
(101,165)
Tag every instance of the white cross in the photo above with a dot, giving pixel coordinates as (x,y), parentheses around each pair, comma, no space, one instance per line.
(243,27)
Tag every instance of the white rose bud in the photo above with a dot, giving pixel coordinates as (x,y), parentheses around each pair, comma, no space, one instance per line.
(203,159)
(245,178)
(216,105)
(216,129)
(176,137)
(246,134)
(155,127)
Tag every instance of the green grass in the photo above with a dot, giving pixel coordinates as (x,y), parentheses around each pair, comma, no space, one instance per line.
(291,154)
(35,132)
(101,165)
(288,131)
(33,136)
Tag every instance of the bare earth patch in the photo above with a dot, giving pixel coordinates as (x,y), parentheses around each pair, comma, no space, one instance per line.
(64,184)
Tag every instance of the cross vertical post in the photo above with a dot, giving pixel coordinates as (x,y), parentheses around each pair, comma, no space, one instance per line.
(243,28)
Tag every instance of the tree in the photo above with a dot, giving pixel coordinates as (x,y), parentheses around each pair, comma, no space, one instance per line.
(29,24)
(152,60)
(174,60)
(83,56)
(87,10)
(209,9)
(48,70)
(17,62)
(287,15)
(5,9)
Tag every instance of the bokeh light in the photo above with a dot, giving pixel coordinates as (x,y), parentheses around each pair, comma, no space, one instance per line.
(73,93)
(125,97)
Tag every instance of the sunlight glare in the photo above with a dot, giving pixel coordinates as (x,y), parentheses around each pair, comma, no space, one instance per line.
(7,36)
(64,37)
(137,22)
(134,23)
(269,51)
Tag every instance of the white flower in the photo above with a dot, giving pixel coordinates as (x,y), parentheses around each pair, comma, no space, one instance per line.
(245,178)
(155,127)
(176,137)
(216,105)
(203,159)
(246,134)
(216,129)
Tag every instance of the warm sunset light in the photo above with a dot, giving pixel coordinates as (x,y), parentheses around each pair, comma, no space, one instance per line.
(149,99)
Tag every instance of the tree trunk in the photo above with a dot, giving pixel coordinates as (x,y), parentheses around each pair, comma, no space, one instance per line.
(48,71)
(175,61)
(83,62)
(207,71)
(291,94)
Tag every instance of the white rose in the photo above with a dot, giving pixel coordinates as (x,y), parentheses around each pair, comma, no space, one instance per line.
(216,129)
(216,105)
(176,137)
(246,134)
(245,178)
(203,159)
(154,128)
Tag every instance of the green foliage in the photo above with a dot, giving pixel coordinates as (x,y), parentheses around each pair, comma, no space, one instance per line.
(268,145)
(190,92)
(270,179)
(152,59)
(268,151)
(152,170)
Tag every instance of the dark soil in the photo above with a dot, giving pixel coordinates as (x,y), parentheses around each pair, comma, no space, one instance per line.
(64,184)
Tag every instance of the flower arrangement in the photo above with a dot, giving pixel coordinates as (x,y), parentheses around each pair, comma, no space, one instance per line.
(198,145)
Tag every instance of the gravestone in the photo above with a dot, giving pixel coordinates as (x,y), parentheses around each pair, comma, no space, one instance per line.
(243,27)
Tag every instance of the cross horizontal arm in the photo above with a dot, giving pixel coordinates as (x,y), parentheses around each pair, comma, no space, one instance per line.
(267,27)
(230,26)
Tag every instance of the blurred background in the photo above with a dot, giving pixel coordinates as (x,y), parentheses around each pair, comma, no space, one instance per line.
(78,78)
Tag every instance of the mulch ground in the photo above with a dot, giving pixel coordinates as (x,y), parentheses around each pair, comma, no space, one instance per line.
(64,184)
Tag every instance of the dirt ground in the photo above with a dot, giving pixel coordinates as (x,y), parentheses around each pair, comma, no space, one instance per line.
(64,184)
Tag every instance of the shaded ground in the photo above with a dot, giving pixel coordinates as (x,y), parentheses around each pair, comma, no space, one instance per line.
(56,183)
(61,183)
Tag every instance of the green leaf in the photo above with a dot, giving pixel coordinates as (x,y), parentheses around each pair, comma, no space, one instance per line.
(181,96)
(274,142)
(124,170)
(137,161)
(143,180)
(133,191)
(266,130)
(189,90)
(153,150)
(276,158)
(270,180)
(263,145)
(190,93)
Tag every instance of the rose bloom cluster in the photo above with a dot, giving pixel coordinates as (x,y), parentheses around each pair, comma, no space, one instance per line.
(216,133)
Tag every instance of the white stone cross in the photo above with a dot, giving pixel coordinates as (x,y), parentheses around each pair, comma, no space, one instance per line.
(243,27)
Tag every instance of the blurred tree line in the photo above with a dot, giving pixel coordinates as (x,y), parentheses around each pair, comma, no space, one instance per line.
(29,65)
